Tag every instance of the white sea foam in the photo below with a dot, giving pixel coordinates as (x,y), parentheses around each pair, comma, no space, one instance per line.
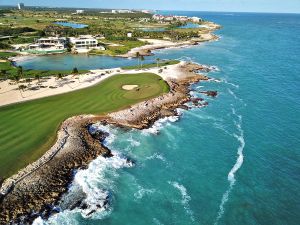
(185,58)
(230,83)
(106,128)
(156,156)
(199,87)
(232,93)
(91,187)
(185,198)
(95,185)
(159,124)
(221,127)
(157,222)
(203,116)
(235,96)
(214,80)
(143,192)
(239,162)
(133,142)
(38,221)
(180,112)
(213,69)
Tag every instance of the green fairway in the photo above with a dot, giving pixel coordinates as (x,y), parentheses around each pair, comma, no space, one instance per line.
(29,129)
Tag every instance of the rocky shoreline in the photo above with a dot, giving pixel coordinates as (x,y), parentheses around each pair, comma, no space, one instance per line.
(36,189)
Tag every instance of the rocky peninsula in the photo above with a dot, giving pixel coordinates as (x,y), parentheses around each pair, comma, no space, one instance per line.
(35,190)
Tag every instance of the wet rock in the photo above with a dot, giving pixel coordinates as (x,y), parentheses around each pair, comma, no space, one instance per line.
(100,135)
(210,93)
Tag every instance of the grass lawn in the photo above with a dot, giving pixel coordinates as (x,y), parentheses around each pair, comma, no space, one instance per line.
(151,65)
(124,47)
(28,129)
(5,55)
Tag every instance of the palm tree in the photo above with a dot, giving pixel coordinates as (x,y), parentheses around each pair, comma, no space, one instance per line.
(157,61)
(20,70)
(142,59)
(75,70)
(138,55)
(17,79)
(38,77)
(59,76)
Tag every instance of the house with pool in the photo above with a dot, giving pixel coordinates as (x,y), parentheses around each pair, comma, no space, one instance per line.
(48,45)
(84,43)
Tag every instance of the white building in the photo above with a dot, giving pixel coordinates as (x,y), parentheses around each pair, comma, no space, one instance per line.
(181,18)
(129,34)
(121,11)
(195,19)
(79,11)
(20,6)
(85,42)
(146,11)
(48,45)
(176,18)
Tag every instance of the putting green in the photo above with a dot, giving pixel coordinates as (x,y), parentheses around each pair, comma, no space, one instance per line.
(28,129)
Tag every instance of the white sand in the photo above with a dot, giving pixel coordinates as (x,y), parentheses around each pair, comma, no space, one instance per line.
(154,44)
(129,87)
(9,92)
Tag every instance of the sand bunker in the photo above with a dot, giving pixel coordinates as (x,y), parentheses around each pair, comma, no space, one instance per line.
(129,87)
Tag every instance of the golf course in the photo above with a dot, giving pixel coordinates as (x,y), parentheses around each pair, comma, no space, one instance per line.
(28,129)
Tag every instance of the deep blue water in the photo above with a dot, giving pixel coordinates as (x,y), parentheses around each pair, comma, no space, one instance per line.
(73,25)
(234,162)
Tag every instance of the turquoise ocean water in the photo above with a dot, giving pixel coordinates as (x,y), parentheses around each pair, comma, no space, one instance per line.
(234,162)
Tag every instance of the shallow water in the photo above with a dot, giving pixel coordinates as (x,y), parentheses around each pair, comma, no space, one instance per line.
(69,61)
(233,162)
(190,25)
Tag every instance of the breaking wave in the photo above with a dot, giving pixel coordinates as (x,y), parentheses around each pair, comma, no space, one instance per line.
(185,198)
(232,84)
(143,192)
(90,192)
(159,124)
(239,162)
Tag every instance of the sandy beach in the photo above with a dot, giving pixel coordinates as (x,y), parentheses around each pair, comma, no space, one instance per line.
(155,44)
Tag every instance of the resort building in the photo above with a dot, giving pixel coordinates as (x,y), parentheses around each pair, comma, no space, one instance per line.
(85,42)
(176,18)
(146,11)
(79,11)
(48,45)
(121,11)
(81,44)
(20,6)
(195,19)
